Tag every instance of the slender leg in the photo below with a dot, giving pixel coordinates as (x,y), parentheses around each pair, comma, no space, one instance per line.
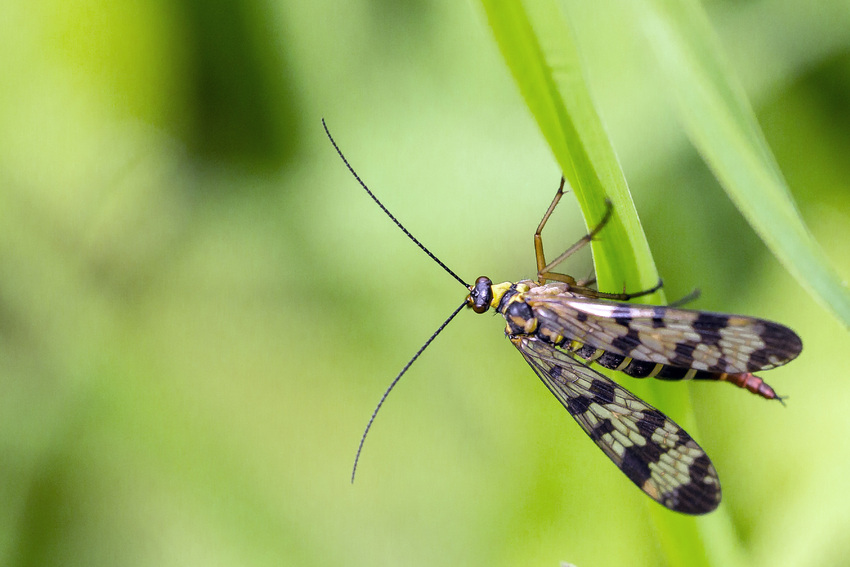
(538,241)
(544,269)
(588,292)
(687,299)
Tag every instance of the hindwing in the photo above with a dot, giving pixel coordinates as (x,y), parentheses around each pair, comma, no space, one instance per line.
(655,453)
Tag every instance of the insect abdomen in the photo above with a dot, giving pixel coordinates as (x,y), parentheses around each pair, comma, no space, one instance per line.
(643,369)
(627,365)
(646,369)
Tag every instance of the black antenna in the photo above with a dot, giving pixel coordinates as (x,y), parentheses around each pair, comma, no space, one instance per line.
(395,381)
(389,214)
(437,332)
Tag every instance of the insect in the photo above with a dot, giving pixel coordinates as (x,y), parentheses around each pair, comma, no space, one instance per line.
(560,326)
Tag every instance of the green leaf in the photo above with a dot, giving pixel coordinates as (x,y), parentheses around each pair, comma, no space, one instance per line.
(719,121)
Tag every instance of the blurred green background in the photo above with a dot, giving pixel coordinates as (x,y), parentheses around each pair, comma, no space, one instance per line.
(199,308)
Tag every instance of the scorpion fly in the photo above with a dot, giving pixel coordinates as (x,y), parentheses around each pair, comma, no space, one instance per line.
(560,326)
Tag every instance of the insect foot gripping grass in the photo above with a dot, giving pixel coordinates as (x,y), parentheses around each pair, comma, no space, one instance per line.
(561,326)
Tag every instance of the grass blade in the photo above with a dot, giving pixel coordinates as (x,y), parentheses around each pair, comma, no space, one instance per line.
(719,121)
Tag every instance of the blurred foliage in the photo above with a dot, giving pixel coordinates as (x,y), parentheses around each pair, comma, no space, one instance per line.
(241,102)
(199,308)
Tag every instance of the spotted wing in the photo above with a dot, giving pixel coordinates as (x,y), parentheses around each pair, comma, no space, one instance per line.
(655,453)
(678,337)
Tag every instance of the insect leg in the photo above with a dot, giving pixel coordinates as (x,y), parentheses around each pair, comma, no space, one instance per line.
(684,300)
(581,287)
(544,269)
(624,296)
(538,240)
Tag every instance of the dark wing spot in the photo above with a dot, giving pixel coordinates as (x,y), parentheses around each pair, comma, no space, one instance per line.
(578,405)
(708,337)
(722,365)
(710,321)
(684,354)
(685,349)
(635,467)
(626,343)
(651,420)
(781,339)
(636,462)
(603,391)
(636,459)
(700,469)
(708,325)
(696,496)
(693,499)
(603,427)
(781,344)
(658,314)
(622,314)
(759,359)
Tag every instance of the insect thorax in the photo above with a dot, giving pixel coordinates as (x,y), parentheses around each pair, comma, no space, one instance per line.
(508,299)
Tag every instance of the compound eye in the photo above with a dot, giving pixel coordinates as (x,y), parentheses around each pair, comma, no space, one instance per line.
(481,295)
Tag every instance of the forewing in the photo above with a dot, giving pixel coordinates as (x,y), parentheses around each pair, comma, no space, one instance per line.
(655,453)
(678,337)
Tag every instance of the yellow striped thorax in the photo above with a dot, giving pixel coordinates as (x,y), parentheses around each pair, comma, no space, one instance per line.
(508,299)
